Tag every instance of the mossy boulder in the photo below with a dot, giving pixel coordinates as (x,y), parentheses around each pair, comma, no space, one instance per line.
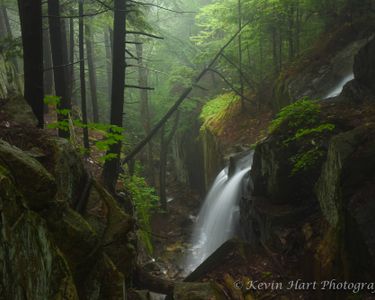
(32,179)
(68,169)
(31,265)
(74,236)
(16,111)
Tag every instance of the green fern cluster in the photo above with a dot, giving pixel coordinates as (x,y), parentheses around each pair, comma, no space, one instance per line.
(303,124)
(145,201)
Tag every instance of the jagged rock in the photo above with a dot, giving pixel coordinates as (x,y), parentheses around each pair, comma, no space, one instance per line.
(74,236)
(329,186)
(68,170)
(364,66)
(37,185)
(196,291)
(102,280)
(31,265)
(112,225)
(17,111)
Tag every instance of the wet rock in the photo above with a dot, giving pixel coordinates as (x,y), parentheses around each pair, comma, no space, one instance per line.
(32,266)
(364,66)
(17,112)
(329,186)
(68,169)
(32,179)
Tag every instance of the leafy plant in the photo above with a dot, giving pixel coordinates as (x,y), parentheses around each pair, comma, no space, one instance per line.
(306,160)
(145,201)
(299,114)
(112,134)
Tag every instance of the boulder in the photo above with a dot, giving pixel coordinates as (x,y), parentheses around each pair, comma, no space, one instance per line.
(32,179)
(32,266)
(364,66)
(68,169)
(16,111)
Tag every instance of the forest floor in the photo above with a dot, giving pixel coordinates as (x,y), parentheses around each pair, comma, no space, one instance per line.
(172,231)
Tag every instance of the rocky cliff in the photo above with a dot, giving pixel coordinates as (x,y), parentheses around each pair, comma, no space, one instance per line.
(313,188)
(62,235)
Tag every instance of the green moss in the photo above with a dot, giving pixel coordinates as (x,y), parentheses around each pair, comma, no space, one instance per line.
(217,109)
(306,160)
(299,114)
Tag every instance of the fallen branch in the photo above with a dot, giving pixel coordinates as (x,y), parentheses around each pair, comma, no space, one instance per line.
(183,96)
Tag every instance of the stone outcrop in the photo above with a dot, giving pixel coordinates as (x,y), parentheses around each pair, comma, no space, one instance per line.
(333,226)
(48,250)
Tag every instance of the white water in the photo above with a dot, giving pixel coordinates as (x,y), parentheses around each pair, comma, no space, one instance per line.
(219,216)
(340,85)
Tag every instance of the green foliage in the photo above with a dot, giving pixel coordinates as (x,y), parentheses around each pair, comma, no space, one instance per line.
(306,160)
(215,110)
(10,47)
(112,134)
(145,201)
(299,114)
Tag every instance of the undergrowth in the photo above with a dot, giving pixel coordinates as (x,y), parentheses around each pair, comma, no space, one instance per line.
(302,123)
(145,201)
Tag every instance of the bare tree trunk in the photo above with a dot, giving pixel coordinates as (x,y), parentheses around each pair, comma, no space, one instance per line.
(144,108)
(71,57)
(240,53)
(82,77)
(92,74)
(108,54)
(164,147)
(58,61)
(112,167)
(32,39)
(48,73)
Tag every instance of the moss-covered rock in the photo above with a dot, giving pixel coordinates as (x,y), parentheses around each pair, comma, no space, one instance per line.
(68,169)
(32,179)
(72,234)
(329,185)
(31,265)
(17,112)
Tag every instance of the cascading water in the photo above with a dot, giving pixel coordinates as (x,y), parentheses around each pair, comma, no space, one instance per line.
(340,85)
(219,215)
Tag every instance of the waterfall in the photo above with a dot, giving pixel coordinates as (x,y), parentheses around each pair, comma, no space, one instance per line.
(340,85)
(219,216)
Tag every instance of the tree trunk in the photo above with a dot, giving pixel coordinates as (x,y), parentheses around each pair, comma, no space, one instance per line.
(3,28)
(32,39)
(71,58)
(108,54)
(92,74)
(274,50)
(144,108)
(66,61)
(240,53)
(164,147)
(59,71)
(48,73)
(82,77)
(111,167)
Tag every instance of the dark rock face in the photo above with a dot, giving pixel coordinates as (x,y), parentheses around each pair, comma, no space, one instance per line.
(364,66)
(47,249)
(341,189)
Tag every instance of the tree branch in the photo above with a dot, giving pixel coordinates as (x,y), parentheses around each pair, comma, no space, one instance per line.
(184,95)
(162,7)
(62,66)
(139,87)
(229,84)
(145,34)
